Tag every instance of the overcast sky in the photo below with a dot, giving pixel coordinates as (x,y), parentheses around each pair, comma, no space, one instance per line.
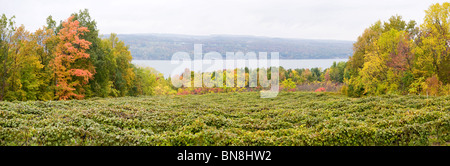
(307,19)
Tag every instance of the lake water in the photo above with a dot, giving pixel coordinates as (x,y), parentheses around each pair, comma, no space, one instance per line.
(167,68)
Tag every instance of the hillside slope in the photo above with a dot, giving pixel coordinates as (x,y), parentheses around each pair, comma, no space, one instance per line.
(229,119)
(163,46)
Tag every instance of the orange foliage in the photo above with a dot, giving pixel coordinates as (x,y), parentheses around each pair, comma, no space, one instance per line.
(432,85)
(321,89)
(70,80)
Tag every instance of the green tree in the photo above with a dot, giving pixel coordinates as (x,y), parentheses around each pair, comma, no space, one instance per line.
(24,77)
(432,51)
(118,64)
(383,59)
(100,83)
(288,84)
(336,72)
(6,33)
(46,41)
(361,46)
(145,81)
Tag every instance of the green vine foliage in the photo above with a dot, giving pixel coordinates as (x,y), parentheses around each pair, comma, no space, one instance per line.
(242,119)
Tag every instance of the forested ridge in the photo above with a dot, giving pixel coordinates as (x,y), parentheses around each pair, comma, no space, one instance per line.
(163,46)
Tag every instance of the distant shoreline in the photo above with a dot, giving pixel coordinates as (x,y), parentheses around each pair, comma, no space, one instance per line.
(165,67)
(163,46)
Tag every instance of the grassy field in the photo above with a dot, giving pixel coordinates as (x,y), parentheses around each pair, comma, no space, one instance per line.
(295,118)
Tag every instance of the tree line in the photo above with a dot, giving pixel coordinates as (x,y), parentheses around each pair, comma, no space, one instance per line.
(69,61)
(391,57)
(233,80)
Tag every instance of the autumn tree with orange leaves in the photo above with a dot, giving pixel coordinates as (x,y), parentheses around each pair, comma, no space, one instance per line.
(71,76)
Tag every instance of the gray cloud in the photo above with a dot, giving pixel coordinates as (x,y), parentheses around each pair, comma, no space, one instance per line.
(312,19)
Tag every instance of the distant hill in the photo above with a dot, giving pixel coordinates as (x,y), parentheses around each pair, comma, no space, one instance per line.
(163,46)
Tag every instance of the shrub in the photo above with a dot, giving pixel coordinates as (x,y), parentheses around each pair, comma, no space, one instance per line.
(240,119)
(321,89)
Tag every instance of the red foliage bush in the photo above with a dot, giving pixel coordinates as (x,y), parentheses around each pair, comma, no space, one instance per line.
(321,89)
